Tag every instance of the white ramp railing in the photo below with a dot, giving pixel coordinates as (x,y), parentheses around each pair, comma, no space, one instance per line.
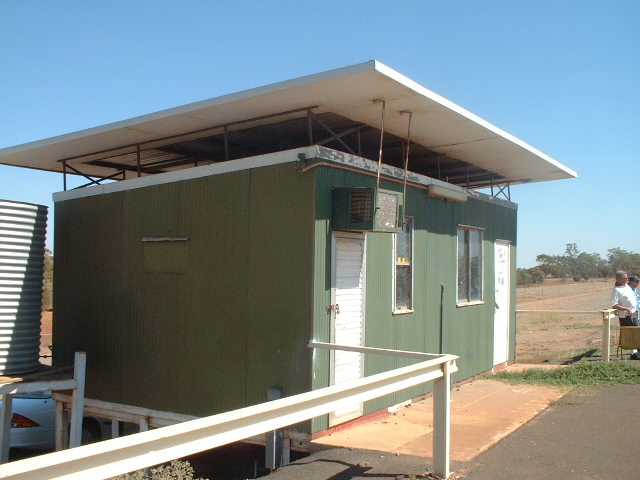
(121,455)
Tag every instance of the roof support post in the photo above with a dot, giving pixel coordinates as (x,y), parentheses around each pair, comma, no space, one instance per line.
(226,142)
(310,126)
(138,167)
(381,141)
(64,176)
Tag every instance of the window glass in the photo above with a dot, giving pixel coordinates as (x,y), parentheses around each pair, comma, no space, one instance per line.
(463,277)
(475,265)
(403,261)
(469,265)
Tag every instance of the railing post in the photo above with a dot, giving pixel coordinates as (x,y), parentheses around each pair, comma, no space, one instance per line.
(77,399)
(62,427)
(606,333)
(5,426)
(274,439)
(442,422)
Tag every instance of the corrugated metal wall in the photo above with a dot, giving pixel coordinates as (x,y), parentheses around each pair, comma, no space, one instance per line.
(197,326)
(208,324)
(23,228)
(466,331)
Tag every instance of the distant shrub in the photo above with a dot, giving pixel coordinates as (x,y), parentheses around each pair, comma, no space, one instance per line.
(529,276)
(523,277)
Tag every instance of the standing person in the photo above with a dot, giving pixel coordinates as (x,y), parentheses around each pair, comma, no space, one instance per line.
(634,281)
(624,300)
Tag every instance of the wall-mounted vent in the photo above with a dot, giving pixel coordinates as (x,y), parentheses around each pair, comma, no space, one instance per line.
(366,210)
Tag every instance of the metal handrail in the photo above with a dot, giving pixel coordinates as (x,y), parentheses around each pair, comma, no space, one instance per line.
(560,311)
(125,454)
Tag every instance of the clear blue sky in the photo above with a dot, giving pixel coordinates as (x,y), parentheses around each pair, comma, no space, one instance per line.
(564,76)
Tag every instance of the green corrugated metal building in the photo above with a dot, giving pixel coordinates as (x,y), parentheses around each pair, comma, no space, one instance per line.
(246,226)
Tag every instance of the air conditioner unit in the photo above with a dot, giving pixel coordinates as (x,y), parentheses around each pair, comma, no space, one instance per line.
(366,209)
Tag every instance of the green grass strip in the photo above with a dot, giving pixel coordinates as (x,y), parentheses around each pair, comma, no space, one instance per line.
(583,373)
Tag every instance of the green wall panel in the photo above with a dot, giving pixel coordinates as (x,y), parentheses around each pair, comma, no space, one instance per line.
(200,326)
(437,325)
(208,324)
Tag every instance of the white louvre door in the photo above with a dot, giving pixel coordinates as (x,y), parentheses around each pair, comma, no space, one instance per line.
(502,299)
(347,316)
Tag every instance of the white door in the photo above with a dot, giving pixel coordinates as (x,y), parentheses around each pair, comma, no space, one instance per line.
(503,297)
(347,325)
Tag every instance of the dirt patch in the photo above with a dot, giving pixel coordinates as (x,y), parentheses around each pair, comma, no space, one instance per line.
(46,326)
(561,337)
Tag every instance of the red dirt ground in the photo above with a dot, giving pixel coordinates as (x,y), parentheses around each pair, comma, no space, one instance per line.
(547,337)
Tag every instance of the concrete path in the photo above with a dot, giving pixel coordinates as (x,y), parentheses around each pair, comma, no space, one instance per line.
(540,435)
(482,412)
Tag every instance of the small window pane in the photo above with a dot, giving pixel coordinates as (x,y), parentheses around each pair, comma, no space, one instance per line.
(463,279)
(469,265)
(403,262)
(403,287)
(475,265)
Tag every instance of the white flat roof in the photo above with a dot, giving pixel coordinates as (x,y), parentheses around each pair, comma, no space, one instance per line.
(437,123)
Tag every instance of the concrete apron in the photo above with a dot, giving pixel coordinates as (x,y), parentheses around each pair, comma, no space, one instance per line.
(482,412)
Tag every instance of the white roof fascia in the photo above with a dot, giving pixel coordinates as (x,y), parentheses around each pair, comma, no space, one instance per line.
(398,77)
(515,160)
(132,123)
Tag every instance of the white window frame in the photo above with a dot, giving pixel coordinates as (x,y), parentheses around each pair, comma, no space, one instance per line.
(396,310)
(465,303)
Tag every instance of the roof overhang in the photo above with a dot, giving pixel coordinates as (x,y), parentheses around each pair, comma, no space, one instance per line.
(351,92)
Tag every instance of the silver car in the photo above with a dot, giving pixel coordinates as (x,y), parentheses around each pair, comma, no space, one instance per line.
(33,423)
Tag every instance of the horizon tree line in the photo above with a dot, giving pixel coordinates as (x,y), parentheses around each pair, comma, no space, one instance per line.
(579,265)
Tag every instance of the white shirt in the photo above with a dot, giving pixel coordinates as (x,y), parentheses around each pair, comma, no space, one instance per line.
(624,297)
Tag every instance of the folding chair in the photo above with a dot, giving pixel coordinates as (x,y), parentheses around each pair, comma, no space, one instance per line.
(628,340)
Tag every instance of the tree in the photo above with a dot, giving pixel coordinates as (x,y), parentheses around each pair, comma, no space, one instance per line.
(579,265)
(622,260)
(585,265)
(551,265)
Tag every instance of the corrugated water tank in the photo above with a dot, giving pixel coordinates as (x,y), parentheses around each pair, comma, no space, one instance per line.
(22,241)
